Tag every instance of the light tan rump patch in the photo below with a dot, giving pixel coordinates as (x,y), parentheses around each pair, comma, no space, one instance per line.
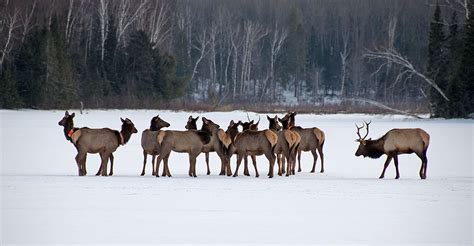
(271,137)
(224,138)
(319,135)
(75,136)
(289,137)
(160,136)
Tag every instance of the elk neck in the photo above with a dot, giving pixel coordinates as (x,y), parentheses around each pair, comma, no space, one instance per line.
(375,148)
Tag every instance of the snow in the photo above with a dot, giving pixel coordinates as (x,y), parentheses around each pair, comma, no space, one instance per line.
(43,201)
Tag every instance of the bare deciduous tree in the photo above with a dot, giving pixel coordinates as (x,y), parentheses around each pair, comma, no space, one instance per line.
(278,38)
(408,71)
(10,22)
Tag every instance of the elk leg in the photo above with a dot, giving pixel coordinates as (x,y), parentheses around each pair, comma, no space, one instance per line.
(207,164)
(279,165)
(424,164)
(271,162)
(166,166)
(192,165)
(395,160)
(315,159)
(299,163)
(254,161)
(320,150)
(153,159)
(389,158)
(104,162)
(239,160)
(144,163)
(246,166)
(111,157)
(79,159)
(158,161)
(283,165)
(229,171)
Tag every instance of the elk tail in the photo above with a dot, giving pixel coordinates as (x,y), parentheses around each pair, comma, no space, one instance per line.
(319,135)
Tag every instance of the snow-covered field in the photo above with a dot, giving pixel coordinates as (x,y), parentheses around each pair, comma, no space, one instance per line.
(44,201)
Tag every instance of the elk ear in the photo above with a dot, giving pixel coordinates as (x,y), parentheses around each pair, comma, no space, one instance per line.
(123,121)
(73,114)
(232,122)
(190,117)
(196,118)
(268,118)
(66,113)
(251,122)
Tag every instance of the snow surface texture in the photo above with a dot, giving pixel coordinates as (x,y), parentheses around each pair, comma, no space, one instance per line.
(44,201)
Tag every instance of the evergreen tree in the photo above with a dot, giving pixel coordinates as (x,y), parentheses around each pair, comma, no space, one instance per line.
(166,82)
(109,64)
(463,84)
(295,51)
(139,62)
(58,90)
(436,68)
(30,68)
(9,97)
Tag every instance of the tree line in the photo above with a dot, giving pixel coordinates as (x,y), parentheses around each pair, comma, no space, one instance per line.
(152,53)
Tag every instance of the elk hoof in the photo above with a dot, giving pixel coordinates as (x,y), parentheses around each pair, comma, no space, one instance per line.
(256,176)
(111,174)
(322,171)
(235,175)
(144,174)
(312,171)
(157,176)
(381,177)
(423,177)
(397,177)
(208,173)
(299,170)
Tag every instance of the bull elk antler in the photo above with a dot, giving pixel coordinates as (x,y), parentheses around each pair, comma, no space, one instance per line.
(358,130)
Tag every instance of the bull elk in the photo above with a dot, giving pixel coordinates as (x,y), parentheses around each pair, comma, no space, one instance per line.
(150,144)
(312,139)
(103,141)
(393,143)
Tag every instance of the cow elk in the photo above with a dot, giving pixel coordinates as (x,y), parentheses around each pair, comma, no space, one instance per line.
(103,141)
(150,144)
(393,143)
(312,139)
(190,142)
(285,146)
(250,142)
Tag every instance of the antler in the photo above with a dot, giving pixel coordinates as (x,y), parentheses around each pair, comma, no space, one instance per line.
(248,116)
(358,130)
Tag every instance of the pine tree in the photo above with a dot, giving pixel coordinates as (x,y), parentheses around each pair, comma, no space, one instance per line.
(464,83)
(9,97)
(139,62)
(109,64)
(165,79)
(58,90)
(436,64)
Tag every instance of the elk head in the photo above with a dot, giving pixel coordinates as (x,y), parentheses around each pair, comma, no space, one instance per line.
(208,125)
(245,125)
(363,143)
(157,123)
(273,123)
(191,124)
(67,120)
(288,121)
(232,129)
(128,126)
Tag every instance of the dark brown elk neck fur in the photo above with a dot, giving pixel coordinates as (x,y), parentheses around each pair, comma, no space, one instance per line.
(374,148)
(209,126)
(232,130)
(191,124)
(68,124)
(127,130)
(245,125)
(157,123)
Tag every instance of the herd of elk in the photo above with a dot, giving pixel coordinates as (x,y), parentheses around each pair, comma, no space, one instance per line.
(282,142)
